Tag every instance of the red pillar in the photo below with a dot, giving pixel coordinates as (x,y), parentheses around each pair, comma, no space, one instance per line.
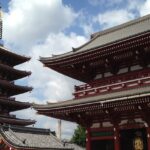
(116,139)
(88,139)
(148,138)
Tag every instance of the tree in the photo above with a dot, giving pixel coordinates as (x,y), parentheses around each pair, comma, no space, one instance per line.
(79,136)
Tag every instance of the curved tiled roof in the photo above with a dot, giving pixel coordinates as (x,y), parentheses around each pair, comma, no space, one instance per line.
(108,36)
(16,121)
(114,96)
(15,74)
(31,138)
(14,89)
(17,59)
(14,105)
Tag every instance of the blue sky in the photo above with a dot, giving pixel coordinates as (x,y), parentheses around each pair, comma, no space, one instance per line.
(4,4)
(44,27)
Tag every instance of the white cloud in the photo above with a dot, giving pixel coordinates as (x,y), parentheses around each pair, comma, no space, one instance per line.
(67,129)
(114,17)
(87,28)
(31,21)
(129,11)
(134,5)
(57,44)
(51,90)
(145,8)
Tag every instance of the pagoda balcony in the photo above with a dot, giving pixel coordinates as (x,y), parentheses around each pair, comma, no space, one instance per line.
(9,73)
(114,84)
(10,89)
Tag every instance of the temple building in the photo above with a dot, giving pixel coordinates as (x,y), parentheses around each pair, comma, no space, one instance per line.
(27,138)
(8,74)
(114,101)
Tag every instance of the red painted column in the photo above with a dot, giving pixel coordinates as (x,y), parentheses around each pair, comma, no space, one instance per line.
(88,139)
(116,139)
(148,138)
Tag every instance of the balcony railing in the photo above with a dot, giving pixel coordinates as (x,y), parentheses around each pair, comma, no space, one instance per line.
(121,83)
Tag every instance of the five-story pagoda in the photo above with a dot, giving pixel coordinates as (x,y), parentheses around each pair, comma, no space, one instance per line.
(8,74)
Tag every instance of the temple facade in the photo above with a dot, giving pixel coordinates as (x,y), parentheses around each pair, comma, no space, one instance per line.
(114,101)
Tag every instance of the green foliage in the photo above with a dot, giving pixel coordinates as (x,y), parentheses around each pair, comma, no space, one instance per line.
(79,136)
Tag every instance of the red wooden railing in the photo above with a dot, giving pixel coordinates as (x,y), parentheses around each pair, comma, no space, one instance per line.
(110,84)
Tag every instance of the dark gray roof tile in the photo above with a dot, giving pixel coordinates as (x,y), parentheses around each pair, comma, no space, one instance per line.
(31,138)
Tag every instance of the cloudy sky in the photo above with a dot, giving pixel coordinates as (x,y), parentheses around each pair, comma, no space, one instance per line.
(44,27)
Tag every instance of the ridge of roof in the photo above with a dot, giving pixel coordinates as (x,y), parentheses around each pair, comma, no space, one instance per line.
(112,29)
(26,129)
(107,36)
(131,22)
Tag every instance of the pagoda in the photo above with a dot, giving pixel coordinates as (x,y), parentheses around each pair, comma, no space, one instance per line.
(8,74)
(114,101)
(8,89)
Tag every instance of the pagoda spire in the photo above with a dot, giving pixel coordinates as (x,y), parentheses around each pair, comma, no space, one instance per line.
(1,25)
